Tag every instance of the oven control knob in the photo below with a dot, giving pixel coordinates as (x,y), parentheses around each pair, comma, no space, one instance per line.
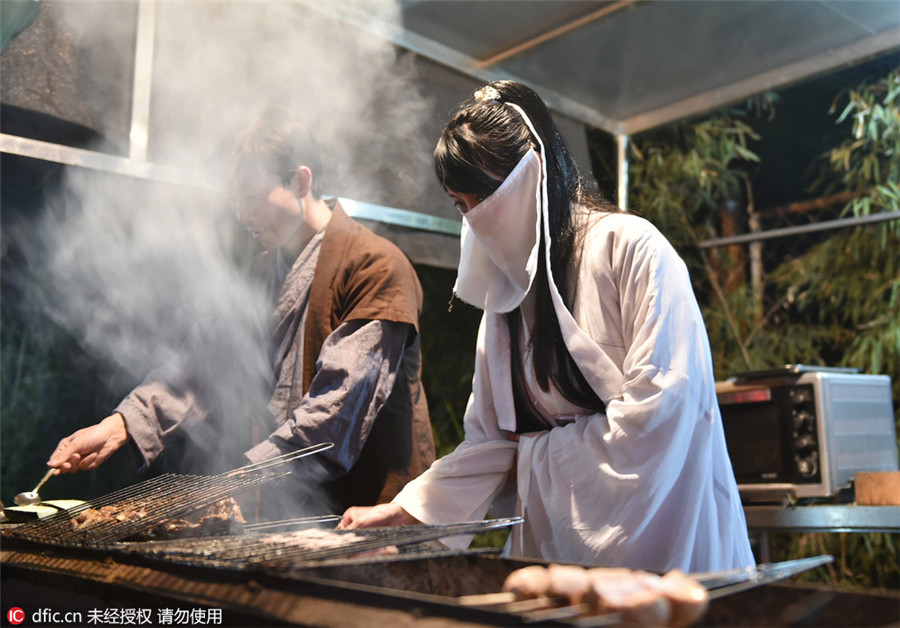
(803,422)
(805,442)
(807,466)
(801,395)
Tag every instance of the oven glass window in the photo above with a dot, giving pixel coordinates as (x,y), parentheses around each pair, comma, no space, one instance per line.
(752,434)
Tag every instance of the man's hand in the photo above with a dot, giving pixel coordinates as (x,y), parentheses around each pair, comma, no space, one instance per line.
(375,517)
(90,447)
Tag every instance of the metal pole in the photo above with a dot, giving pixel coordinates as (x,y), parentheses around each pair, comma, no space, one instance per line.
(622,169)
(139,135)
(787,231)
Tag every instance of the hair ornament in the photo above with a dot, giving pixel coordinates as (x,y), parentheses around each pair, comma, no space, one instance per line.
(487,93)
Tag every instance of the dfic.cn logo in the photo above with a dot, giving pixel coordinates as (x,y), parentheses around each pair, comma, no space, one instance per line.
(15,615)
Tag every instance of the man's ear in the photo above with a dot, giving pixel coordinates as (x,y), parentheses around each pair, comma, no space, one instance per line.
(301,182)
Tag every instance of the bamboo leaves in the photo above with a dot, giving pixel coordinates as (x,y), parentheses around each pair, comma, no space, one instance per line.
(836,301)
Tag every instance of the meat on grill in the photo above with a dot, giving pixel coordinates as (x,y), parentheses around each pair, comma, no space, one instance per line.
(568,582)
(107,514)
(641,597)
(316,539)
(313,538)
(528,583)
(222,517)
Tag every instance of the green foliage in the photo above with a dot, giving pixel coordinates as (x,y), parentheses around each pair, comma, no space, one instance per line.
(853,308)
(860,560)
(50,388)
(855,315)
(836,303)
(681,176)
(681,179)
(869,162)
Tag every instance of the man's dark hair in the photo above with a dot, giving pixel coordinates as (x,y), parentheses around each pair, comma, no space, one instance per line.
(278,144)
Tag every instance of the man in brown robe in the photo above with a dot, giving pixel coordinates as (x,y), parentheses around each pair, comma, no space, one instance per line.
(344,341)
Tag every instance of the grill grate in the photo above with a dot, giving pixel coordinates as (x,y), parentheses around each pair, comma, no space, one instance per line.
(159,499)
(286,551)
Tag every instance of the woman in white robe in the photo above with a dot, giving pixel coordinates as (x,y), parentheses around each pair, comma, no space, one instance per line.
(593,398)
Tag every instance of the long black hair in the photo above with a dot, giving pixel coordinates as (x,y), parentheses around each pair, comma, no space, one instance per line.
(487,136)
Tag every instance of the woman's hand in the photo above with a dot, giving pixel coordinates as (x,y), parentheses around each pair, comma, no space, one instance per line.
(90,447)
(375,517)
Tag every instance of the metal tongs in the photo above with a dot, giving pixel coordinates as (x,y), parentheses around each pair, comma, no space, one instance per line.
(31,498)
(279,460)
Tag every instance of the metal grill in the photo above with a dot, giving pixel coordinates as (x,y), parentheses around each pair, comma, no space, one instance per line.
(287,551)
(420,580)
(149,503)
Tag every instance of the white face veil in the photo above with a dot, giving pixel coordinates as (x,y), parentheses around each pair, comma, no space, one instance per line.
(499,242)
(510,289)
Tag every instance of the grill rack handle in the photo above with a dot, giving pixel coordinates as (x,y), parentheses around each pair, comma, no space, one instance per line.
(278,460)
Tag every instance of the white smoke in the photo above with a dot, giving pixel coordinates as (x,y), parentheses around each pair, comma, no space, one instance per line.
(352,88)
(132,266)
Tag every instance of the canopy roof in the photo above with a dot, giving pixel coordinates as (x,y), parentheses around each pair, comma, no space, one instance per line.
(160,96)
(629,65)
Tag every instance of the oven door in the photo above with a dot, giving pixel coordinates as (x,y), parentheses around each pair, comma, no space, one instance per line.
(771,434)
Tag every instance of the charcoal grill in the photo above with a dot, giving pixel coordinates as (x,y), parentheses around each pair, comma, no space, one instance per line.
(414,589)
(460,584)
(263,577)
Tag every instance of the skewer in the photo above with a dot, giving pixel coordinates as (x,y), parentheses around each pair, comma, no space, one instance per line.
(718,584)
(597,620)
(506,602)
(487,599)
(556,613)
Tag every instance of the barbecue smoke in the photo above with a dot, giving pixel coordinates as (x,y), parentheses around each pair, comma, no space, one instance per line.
(149,275)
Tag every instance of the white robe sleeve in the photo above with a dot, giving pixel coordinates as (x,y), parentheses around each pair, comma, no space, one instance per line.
(461,485)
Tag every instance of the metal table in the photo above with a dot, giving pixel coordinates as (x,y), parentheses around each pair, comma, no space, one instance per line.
(825,518)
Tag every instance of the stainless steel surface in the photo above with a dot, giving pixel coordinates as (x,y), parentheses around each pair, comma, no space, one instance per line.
(768,573)
(139,134)
(29,498)
(71,156)
(826,518)
(279,460)
(825,225)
